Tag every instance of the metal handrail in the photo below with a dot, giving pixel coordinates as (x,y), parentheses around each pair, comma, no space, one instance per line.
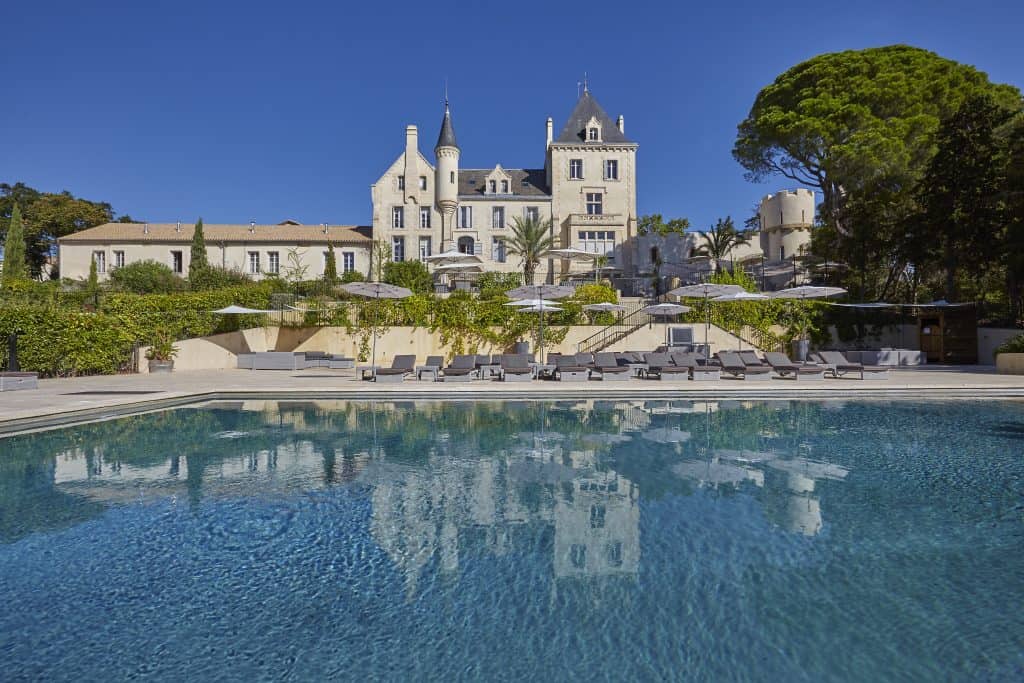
(623,326)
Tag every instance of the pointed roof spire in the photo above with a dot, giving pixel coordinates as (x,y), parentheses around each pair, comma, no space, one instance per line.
(447,136)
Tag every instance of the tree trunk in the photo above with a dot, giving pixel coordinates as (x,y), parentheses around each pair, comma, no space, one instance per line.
(950,262)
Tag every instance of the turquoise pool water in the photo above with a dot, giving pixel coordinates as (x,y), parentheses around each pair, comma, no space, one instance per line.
(617,540)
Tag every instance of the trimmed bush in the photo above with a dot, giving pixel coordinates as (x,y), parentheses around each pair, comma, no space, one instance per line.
(1012,345)
(146,277)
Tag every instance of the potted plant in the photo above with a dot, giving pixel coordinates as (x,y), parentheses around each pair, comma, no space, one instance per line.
(1010,356)
(799,322)
(161,352)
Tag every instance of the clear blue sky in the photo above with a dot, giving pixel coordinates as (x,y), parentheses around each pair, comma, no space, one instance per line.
(266,111)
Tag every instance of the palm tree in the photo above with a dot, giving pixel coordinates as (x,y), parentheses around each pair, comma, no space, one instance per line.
(719,240)
(530,240)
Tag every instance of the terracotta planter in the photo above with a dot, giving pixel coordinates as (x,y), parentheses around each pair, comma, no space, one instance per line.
(161,366)
(1010,363)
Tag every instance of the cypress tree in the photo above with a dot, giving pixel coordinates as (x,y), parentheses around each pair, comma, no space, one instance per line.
(15,267)
(198,261)
(92,286)
(330,266)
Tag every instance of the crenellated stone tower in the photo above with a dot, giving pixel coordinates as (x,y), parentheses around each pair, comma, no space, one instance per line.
(446,179)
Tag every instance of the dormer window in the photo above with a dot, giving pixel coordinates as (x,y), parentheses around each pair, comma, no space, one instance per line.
(504,187)
(492,186)
(593,134)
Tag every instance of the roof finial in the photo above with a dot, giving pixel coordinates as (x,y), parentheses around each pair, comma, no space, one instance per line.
(446,94)
(585,88)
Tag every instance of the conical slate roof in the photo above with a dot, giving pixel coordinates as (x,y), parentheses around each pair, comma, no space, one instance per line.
(587,108)
(447,136)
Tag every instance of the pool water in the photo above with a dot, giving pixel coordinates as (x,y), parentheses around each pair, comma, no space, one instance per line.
(653,540)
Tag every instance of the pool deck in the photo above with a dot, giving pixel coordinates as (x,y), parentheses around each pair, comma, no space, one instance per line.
(64,401)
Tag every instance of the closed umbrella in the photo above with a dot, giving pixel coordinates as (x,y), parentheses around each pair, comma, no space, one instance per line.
(665,310)
(376,291)
(706,291)
(742,295)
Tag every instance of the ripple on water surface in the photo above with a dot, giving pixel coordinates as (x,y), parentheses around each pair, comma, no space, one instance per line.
(494,541)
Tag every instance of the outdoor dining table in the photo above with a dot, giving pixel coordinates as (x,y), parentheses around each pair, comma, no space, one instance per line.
(431,370)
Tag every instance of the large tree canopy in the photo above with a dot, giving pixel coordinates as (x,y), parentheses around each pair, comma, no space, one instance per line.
(47,217)
(847,121)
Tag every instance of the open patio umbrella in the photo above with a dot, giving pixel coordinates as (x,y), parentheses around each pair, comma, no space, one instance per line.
(706,291)
(531,302)
(802,293)
(742,296)
(540,306)
(450,257)
(239,310)
(376,291)
(665,310)
(574,254)
(605,308)
(541,292)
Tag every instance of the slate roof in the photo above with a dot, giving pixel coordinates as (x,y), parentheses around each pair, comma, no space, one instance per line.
(447,135)
(585,109)
(472,181)
(166,232)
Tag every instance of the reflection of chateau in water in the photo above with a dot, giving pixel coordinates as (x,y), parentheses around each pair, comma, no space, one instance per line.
(434,511)
(449,481)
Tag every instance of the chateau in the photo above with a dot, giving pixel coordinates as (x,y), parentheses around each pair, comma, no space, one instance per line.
(586,187)
(422,206)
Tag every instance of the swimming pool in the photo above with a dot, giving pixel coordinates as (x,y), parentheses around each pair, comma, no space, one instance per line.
(485,540)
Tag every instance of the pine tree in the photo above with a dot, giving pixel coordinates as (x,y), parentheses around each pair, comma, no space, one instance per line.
(330,266)
(15,267)
(198,261)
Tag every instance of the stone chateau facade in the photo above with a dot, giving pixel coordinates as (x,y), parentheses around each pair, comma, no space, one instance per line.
(586,187)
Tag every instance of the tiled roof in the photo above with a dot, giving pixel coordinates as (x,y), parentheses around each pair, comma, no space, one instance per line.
(472,181)
(585,109)
(169,232)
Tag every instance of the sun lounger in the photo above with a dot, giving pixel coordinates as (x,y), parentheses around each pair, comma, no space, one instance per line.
(634,361)
(585,359)
(16,381)
(401,366)
(431,369)
(462,369)
(608,367)
(660,366)
(733,365)
(515,367)
(566,370)
(751,360)
(836,364)
(699,371)
(786,368)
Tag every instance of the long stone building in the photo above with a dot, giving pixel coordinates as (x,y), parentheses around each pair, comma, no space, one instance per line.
(257,250)
(586,187)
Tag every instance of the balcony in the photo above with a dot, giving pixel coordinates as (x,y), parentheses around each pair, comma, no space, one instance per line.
(586,220)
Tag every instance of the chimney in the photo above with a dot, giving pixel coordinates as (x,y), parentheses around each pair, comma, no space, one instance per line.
(551,131)
(145,228)
(411,140)
(252,227)
(325,228)
(177,227)
(621,123)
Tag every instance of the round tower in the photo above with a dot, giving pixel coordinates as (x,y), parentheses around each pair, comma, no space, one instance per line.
(786,220)
(446,178)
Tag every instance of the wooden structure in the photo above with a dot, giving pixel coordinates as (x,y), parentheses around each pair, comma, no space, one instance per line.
(948,333)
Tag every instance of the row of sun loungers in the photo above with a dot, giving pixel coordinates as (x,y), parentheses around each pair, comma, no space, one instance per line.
(666,366)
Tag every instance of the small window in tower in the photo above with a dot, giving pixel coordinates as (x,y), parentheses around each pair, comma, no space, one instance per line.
(401,182)
(423,182)
(575,169)
(451,177)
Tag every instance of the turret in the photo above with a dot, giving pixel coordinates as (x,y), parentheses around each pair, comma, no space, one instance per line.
(446,177)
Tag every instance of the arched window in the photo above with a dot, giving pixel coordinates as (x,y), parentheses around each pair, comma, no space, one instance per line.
(466,245)
(654,254)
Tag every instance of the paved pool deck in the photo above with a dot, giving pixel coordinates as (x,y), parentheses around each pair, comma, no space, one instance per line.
(64,401)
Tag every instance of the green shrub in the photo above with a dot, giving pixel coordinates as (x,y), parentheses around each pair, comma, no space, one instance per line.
(1012,345)
(493,285)
(146,277)
(412,275)
(216,277)
(352,276)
